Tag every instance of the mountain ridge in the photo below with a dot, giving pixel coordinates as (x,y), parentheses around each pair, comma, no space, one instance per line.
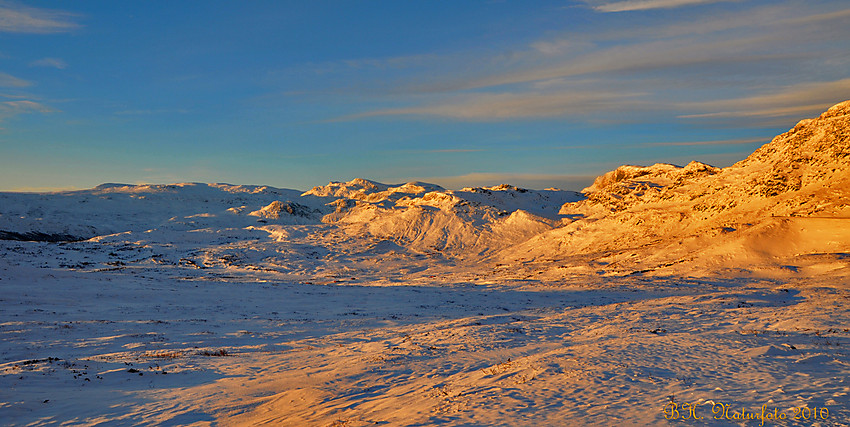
(762,214)
(651,218)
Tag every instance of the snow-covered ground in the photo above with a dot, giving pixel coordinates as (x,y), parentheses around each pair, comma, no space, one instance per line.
(659,292)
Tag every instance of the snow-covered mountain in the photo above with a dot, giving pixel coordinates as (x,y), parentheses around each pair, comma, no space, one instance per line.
(782,209)
(468,222)
(332,228)
(115,208)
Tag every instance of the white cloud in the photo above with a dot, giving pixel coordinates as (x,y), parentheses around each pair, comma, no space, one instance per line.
(803,99)
(560,46)
(50,62)
(739,141)
(506,106)
(618,69)
(716,44)
(7,80)
(635,5)
(151,112)
(13,108)
(640,56)
(16,18)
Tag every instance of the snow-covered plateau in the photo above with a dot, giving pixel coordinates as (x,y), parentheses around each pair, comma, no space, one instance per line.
(659,295)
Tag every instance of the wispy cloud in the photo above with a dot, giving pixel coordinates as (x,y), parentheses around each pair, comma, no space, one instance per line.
(691,63)
(763,35)
(17,18)
(11,96)
(818,18)
(151,112)
(507,106)
(791,101)
(13,108)
(635,5)
(740,141)
(7,80)
(667,65)
(720,41)
(50,62)
(640,58)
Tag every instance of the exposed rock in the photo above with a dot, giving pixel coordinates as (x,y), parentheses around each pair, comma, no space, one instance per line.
(277,208)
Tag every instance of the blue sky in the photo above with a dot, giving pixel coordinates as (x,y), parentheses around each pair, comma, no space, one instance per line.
(296,94)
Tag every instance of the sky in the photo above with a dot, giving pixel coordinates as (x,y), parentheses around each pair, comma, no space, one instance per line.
(295,94)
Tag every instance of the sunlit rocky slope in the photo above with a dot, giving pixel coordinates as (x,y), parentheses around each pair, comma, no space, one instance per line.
(785,208)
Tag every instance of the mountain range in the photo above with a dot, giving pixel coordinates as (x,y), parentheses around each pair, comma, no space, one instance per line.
(781,211)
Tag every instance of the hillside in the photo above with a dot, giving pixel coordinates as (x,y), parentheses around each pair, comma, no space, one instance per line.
(784,209)
(356,227)
(467,223)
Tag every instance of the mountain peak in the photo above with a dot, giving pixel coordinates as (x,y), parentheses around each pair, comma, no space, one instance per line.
(837,110)
(813,145)
(354,189)
(627,178)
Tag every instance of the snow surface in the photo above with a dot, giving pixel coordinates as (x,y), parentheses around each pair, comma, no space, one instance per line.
(362,303)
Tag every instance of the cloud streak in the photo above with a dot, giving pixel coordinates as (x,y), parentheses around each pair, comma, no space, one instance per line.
(7,80)
(16,18)
(512,106)
(10,109)
(151,112)
(50,62)
(739,141)
(791,101)
(638,5)
(662,66)
(763,35)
